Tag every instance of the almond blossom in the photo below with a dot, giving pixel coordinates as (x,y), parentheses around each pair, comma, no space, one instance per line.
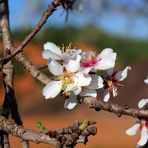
(56,57)
(104,60)
(51,51)
(112,80)
(143,124)
(68,81)
(96,83)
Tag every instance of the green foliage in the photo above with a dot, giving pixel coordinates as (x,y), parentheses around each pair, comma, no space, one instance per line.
(128,50)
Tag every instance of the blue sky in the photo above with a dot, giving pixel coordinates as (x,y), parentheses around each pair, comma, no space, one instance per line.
(20,16)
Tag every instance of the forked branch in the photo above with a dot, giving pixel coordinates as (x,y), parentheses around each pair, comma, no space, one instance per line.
(62,138)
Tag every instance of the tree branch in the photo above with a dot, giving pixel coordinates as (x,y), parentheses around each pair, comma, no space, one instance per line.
(62,138)
(43,66)
(114,108)
(16,130)
(21,57)
(51,8)
(10,102)
(32,69)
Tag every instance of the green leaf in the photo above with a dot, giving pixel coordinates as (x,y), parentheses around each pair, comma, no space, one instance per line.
(41,127)
(84,124)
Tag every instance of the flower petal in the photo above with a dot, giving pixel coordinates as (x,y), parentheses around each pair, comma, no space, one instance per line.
(106,59)
(85,70)
(81,79)
(105,52)
(47,54)
(72,55)
(121,75)
(96,82)
(69,87)
(52,89)
(142,103)
(110,71)
(146,80)
(73,65)
(51,51)
(133,130)
(71,102)
(55,68)
(88,92)
(65,56)
(106,96)
(76,90)
(144,137)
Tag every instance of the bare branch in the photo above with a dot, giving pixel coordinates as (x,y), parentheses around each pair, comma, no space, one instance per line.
(32,69)
(64,137)
(116,109)
(21,57)
(16,130)
(51,8)
(8,68)
(10,102)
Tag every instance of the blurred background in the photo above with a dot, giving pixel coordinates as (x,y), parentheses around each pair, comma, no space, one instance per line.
(89,25)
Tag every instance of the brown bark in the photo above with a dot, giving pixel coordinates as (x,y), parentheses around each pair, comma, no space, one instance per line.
(10,102)
(116,109)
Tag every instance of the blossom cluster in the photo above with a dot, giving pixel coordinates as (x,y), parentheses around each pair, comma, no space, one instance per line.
(77,73)
(142,123)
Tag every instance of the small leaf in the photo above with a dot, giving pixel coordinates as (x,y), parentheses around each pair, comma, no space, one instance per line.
(84,124)
(41,127)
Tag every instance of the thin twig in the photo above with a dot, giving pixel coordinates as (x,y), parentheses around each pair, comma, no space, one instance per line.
(43,66)
(32,69)
(51,8)
(116,109)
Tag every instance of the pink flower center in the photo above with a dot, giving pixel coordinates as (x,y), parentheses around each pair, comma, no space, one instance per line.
(144,123)
(89,62)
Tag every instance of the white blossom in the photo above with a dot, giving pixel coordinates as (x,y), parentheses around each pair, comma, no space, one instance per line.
(112,80)
(57,58)
(104,60)
(67,80)
(51,51)
(96,83)
(143,124)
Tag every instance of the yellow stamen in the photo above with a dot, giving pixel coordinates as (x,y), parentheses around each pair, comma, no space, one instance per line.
(67,79)
(109,83)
